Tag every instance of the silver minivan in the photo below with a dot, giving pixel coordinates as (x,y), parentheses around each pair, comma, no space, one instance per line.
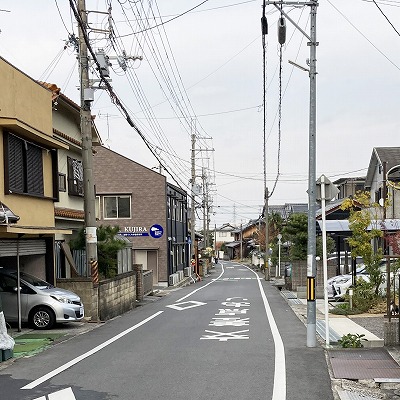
(42,304)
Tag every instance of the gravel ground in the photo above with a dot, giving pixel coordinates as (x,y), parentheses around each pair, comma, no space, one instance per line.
(372,323)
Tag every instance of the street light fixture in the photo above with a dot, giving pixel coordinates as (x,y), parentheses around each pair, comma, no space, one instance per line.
(279,254)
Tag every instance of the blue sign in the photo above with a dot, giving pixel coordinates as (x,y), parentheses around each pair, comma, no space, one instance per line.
(156,231)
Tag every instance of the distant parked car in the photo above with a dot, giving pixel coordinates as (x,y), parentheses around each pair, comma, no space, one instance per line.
(341,285)
(338,285)
(42,304)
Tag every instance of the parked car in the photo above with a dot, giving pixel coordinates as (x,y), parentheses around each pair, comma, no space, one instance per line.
(338,285)
(42,304)
(341,285)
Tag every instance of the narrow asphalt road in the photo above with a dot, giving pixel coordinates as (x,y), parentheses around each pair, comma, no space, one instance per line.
(230,336)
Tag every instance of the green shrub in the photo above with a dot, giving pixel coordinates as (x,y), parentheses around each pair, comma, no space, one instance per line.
(351,340)
(364,296)
(344,309)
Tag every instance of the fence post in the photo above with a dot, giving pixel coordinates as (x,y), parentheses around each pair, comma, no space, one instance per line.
(138,268)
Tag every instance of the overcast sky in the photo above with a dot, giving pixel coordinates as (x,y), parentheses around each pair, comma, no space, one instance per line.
(202,71)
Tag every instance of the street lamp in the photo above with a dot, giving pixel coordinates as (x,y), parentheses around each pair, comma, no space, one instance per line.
(279,254)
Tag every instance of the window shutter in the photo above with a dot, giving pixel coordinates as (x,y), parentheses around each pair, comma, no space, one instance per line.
(16,164)
(34,167)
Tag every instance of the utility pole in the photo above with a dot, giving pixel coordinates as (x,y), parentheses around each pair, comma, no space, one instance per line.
(87,154)
(312,208)
(193,213)
(241,242)
(267,272)
(312,179)
(205,206)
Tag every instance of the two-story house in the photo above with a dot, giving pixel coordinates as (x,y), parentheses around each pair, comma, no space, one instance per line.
(28,173)
(224,234)
(151,213)
(383,159)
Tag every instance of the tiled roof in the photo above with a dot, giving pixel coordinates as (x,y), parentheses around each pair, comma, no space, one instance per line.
(69,213)
(69,138)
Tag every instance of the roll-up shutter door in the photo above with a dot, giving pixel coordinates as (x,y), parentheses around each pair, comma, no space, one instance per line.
(8,248)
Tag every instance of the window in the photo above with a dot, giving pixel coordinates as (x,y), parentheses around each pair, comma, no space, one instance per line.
(62,182)
(117,207)
(23,167)
(75,177)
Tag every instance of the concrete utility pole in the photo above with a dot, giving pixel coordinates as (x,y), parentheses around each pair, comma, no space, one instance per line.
(312,207)
(312,195)
(193,213)
(205,207)
(87,154)
(267,272)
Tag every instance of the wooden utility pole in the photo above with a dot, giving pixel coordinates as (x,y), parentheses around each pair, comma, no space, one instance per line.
(87,154)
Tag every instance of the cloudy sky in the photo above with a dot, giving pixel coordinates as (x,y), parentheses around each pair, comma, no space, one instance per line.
(197,66)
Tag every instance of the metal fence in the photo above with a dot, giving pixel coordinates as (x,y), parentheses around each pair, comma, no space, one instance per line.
(147,282)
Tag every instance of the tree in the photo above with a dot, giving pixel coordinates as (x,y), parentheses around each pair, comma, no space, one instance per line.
(362,238)
(296,232)
(108,246)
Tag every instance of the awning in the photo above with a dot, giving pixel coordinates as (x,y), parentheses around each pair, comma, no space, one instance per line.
(343,225)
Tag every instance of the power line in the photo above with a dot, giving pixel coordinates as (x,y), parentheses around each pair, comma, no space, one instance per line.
(376,48)
(165,22)
(387,19)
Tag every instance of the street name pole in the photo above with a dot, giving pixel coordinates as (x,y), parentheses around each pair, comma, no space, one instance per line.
(87,154)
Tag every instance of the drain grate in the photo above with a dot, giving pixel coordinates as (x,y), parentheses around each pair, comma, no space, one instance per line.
(363,364)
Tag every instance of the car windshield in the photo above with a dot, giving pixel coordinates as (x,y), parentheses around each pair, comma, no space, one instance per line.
(34,281)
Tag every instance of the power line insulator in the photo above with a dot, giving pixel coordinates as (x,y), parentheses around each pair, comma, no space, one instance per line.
(264,25)
(281,30)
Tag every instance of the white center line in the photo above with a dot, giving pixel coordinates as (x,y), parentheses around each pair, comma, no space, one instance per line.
(69,364)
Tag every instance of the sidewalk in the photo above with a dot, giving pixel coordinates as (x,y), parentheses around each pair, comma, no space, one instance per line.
(369,373)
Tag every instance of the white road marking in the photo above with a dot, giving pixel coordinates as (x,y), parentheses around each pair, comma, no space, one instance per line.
(71,363)
(235,321)
(225,336)
(65,394)
(279,391)
(202,287)
(186,305)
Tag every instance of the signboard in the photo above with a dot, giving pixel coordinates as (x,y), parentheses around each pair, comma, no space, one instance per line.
(156,231)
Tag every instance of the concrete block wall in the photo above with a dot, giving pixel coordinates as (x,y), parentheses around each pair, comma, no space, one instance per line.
(117,295)
(108,299)
(83,287)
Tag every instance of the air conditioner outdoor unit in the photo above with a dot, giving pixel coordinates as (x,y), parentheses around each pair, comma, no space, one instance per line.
(187,271)
(180,275)
(173,279)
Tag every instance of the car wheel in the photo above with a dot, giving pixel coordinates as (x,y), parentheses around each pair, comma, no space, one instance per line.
(42,318)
